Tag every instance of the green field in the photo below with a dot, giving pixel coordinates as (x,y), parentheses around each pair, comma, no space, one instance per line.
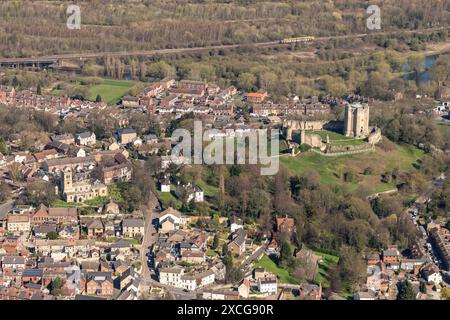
(111,91)
(270,266)
(332,168)
(168,198)
(208,190)
(327,261)
(62,204)
(443,127)
(338,138)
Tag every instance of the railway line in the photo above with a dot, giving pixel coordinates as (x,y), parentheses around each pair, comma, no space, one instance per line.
(53,59)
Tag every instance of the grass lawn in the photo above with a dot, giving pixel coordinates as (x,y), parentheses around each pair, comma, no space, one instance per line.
(62,204)
(97,202)
(443,127)
(132,241)
(208,189)
(57,92)
(327,261)
(111,91)
(270,266)
(338,138)
(331,169)
(283,146)
(167,198)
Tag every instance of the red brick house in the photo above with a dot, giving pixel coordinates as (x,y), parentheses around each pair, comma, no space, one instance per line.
(58,215)
(285,224)
(99,283)
(256,97)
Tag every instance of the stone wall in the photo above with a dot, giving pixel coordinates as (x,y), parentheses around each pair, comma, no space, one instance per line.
(333,148)
(343,153)
(312,139)
(297,125)
(374,136)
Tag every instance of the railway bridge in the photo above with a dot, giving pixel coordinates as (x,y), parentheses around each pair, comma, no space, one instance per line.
(27,62)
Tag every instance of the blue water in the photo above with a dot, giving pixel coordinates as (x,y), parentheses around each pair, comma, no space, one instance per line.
(421,77)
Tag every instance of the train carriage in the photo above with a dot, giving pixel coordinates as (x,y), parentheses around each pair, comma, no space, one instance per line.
(297,39)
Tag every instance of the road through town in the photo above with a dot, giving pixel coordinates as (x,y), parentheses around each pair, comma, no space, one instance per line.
(151,214)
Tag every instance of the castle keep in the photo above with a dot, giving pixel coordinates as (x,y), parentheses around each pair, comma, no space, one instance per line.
(356,123)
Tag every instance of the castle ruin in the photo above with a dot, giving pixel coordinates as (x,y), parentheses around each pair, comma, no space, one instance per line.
(356,123)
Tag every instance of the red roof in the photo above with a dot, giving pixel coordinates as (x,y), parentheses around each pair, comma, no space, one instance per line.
(256,94)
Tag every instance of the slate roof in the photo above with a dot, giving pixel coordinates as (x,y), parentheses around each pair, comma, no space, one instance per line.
(32,273)
(96,224)
(121,244)
(13,260)
(132,223)
(126,131)
(84,135)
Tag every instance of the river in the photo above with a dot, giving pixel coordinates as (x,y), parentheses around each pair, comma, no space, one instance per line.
(421,77)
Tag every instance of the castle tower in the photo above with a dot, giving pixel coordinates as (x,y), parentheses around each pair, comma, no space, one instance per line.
(348,121)
(302,136)
(289,133)
(356,123)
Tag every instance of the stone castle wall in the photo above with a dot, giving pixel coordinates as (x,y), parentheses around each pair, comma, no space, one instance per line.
(374,136)
(297,125)
(312,139)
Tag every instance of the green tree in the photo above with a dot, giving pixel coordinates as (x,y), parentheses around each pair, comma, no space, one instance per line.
(56,286)
(286,260)
(445,293)
(246,81)
(3,147)
(216,241)
(4,191)
(349,175)
(423,287)
(405,291)
(52,235)
(14,171)
(233,275)
(98,98)
(38,192)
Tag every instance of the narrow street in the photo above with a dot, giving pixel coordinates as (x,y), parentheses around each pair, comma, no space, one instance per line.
(247,263)
(150,214)
(414,212)
(150,237)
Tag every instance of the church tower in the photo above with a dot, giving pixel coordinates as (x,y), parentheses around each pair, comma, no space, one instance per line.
(67,181)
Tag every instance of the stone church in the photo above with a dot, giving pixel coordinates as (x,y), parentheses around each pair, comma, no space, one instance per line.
(81,191)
